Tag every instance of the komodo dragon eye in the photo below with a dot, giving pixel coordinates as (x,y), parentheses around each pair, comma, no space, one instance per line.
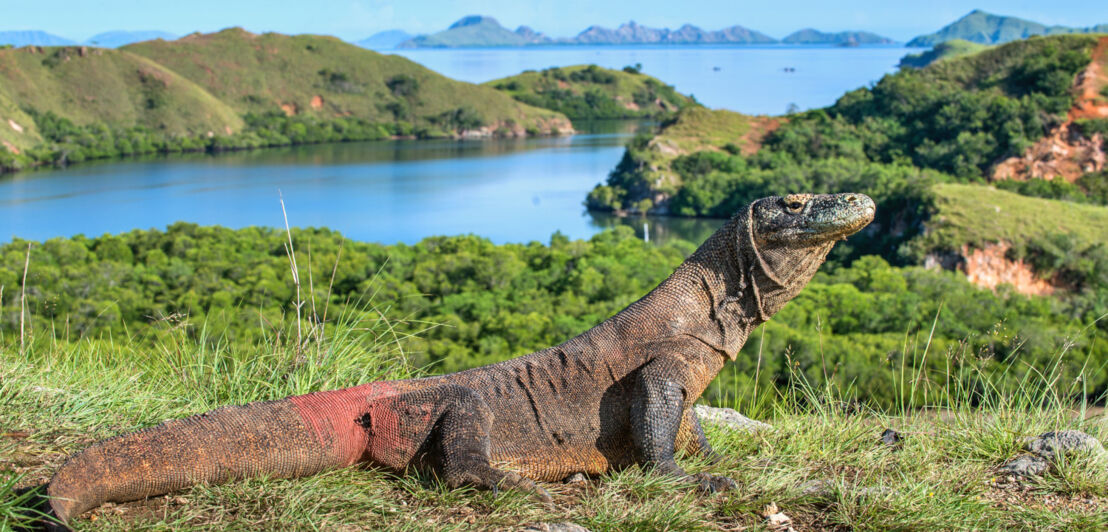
(794,206)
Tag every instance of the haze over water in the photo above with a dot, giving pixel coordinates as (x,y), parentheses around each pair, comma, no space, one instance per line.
(509,190)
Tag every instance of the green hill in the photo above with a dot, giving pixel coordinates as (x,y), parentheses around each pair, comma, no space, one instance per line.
(475,31)
(110,87)
(978,215)
(986,28)
(234,90)
(592,92)
(328,78)
(943,50)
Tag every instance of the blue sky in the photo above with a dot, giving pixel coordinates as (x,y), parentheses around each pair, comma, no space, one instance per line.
(356,19)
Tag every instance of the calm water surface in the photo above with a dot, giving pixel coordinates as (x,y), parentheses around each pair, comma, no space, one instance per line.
(507,190)
(749,79)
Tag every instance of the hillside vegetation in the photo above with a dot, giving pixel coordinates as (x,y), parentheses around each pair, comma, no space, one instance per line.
(585,92)
(950,121)
(943,50)
(233,90)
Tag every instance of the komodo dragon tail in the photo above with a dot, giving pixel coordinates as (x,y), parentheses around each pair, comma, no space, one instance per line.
(287,438)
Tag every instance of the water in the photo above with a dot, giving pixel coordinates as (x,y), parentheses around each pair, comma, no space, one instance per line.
(512,190)
(750,79)
(506,190)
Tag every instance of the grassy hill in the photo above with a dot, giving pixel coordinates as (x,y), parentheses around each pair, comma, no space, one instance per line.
(977,215)
(986,28)
(111,87)
(592,92)
(328,78)
(234,90)
(943,50)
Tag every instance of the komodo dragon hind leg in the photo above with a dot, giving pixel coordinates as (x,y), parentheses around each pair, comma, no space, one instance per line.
(691,439)
(464,443)
(658,408)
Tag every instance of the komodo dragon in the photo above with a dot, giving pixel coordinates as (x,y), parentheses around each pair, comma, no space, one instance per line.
(619,394)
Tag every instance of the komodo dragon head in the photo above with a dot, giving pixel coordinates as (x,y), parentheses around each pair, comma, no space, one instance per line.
(787,238)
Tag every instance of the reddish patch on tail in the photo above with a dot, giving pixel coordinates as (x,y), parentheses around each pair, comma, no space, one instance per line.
(332,417)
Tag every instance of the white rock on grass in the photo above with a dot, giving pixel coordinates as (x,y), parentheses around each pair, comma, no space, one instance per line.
(564,526)
(729,418)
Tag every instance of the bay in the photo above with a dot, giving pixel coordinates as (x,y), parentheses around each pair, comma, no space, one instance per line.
(508,190)
(752,79)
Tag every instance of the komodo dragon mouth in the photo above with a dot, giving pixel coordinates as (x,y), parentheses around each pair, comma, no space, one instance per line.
(618,394)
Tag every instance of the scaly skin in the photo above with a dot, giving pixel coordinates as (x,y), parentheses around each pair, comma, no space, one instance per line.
(619,394)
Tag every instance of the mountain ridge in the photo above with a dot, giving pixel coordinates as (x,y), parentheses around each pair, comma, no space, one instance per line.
(485,31)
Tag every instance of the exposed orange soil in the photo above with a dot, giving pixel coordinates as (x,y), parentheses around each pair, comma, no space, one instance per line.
(1064,152)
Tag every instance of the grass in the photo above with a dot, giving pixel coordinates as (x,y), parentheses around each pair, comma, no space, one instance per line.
(974,215)
(822,465)
(698,128)
(944,50)
(117,88)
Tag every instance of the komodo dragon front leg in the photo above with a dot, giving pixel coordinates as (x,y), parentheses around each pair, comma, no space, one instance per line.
(660,405)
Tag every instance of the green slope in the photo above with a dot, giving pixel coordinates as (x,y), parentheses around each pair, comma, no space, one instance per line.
(328,78)
(943,50)
(111,87)
(17,129)
(977,215)
(592,92)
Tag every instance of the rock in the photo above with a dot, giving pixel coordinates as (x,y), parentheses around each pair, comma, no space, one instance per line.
(1054,445)
(891,439)
(729,418)
(576,478)
(1049,447)
(564,526)
(1027,465)
(776,519)
(818,489)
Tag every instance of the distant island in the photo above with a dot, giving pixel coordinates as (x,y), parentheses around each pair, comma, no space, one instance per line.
(109,39)
(986,28)
(842,38)
(32,38)
(385,40)
(484,31)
